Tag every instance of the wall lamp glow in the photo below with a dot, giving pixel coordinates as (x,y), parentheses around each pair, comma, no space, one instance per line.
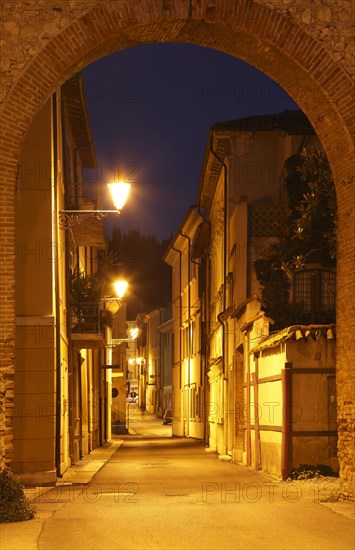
(114,304)
(120,288)
(119,192)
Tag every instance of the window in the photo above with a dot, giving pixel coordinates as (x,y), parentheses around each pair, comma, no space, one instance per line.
(192,402)
(193,338)
(315,288)
(185,336)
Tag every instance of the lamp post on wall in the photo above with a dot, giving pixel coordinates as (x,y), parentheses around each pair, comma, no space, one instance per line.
(119,192)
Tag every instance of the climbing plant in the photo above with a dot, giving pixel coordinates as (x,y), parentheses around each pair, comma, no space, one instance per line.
(310,237)
(86,293)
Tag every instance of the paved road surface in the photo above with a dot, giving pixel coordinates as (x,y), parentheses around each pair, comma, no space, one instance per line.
(158,492)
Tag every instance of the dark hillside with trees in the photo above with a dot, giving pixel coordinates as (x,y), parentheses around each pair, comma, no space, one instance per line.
(138,259)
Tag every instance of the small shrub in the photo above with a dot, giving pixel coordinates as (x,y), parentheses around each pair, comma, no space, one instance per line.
(327,470)
(308,471)
(14,506)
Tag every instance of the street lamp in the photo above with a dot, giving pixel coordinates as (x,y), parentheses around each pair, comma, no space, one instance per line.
(134,332)
(120,288)
(114,303)
(133,335)
(119,192)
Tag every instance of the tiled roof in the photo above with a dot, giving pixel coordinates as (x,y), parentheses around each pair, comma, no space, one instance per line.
(292,122)
(296,332)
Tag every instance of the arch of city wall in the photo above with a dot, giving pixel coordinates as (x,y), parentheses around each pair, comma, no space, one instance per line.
(306,48)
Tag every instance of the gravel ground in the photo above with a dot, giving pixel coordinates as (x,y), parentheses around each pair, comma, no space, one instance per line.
(322,489)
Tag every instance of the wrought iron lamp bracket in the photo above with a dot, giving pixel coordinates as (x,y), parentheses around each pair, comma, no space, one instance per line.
(68,218)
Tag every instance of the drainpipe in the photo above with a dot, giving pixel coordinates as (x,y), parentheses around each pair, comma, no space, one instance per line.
(248,404)
(72,359)
(220,315)
(71,394)
(205,313)
(55,230)
(225,218)
(180,299)
(257,446)
(80,399)
(188,304)
(286,445)
(198,206)
(198,264)
(189,347)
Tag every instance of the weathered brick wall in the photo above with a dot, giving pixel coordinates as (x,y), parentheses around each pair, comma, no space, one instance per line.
(27,27)
(330,22)
(304,45)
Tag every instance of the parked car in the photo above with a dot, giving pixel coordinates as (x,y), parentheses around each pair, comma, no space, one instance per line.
(168,416)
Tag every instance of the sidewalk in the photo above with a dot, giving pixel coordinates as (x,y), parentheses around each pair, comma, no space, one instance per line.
(82,472)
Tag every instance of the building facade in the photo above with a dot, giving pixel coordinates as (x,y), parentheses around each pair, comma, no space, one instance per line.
(240,213)
(119,374)
(166,363)
(154,348)
(60,412)
(242,194)
(133,360)
(188,362)
(291,402)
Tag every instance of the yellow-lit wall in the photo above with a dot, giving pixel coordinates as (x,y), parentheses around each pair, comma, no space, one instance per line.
(310,406)
(34,414)
(40,279)
(45,443)
(188,379)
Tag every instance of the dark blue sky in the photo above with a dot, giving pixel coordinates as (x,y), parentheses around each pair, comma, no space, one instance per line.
(151,108)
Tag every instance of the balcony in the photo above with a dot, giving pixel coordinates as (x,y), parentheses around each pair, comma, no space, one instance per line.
(88,322)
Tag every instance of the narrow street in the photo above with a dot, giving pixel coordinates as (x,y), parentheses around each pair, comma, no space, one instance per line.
(169,493)
(143,425)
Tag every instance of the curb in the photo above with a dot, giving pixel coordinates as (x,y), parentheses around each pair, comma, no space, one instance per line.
(80,473)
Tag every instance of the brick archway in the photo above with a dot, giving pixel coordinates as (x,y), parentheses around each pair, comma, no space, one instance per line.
(267,38)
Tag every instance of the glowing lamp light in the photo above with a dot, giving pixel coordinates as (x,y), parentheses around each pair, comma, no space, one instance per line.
(134,332)
(119,192)
(120,288)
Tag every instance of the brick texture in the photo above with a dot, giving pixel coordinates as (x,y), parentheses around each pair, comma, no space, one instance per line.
(305,46)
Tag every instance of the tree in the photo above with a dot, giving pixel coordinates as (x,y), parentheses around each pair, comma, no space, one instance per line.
(310,237)
(139,259)
(312,210)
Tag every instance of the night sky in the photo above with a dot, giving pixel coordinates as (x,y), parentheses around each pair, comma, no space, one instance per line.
(151,108)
